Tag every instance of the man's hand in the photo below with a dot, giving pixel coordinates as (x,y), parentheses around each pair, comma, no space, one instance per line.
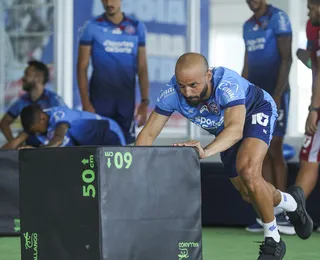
(25,147)
(141,114)
(277,100)
(311,124)
(197,145)
(87,106)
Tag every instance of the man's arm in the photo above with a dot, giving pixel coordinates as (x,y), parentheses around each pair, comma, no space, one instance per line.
(5,123)
(82,74)
(315,99)
(152,129)
(234,118)
(245,70)
(143,72)
(16,142)
(284,46)
(59,135)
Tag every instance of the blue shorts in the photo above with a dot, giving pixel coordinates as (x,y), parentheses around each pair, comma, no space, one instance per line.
(282,121)
(120,110)
(260,124)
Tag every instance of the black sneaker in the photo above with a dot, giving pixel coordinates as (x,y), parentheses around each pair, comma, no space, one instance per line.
(271,250)
(299,218)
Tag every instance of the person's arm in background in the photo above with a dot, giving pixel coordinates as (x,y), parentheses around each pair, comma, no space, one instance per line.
(284,47)
(282,30)
(59,134)
(141,115)
(9,117)
(5,123)
(16,142)
(84,55)
(245,70)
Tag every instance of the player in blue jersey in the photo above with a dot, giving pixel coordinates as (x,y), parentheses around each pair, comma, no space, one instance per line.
(61,125)
(268,38)
(242,117)
(116,45)
(35,77)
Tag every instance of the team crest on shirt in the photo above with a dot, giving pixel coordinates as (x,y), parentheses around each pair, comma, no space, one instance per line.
(129,29)
(213,107)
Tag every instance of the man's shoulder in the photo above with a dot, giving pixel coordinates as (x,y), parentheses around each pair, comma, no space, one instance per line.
(169,92)
(277,15)
(93,22)
(312,31)
(50,93)
(132,19)
(249,22)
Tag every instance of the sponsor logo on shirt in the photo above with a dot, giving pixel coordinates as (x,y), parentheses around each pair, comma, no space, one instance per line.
(207,123)
(116,31)
(118,46)
(256,44)
(166,93)
(204,108)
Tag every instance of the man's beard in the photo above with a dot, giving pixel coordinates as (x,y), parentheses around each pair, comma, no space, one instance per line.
(28,86)
(196,100)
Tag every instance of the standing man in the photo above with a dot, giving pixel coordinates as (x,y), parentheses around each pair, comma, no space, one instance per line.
(268,38)
(116,45)
(35,77)
(241,116)
(310,151)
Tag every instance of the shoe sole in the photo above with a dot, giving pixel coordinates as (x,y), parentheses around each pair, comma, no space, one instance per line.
(297,193)
(254,230)
(287,230)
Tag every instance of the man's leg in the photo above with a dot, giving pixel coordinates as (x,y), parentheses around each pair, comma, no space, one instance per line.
(278,164)
(307,177)
(264,196)
(275,153)
(309,158)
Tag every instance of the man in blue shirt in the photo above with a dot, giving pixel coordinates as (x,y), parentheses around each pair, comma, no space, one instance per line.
(35,77)
(268,38)
(116,45)
(242,117)
(59,126)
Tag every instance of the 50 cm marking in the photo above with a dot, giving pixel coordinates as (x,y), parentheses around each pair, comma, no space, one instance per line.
(88,176)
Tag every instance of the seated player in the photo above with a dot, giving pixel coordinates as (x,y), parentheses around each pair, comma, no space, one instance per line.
(35,77)
(242,117)
(61,125)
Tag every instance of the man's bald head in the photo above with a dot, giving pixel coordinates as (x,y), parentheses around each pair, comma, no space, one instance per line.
(193,77)
(192,60)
